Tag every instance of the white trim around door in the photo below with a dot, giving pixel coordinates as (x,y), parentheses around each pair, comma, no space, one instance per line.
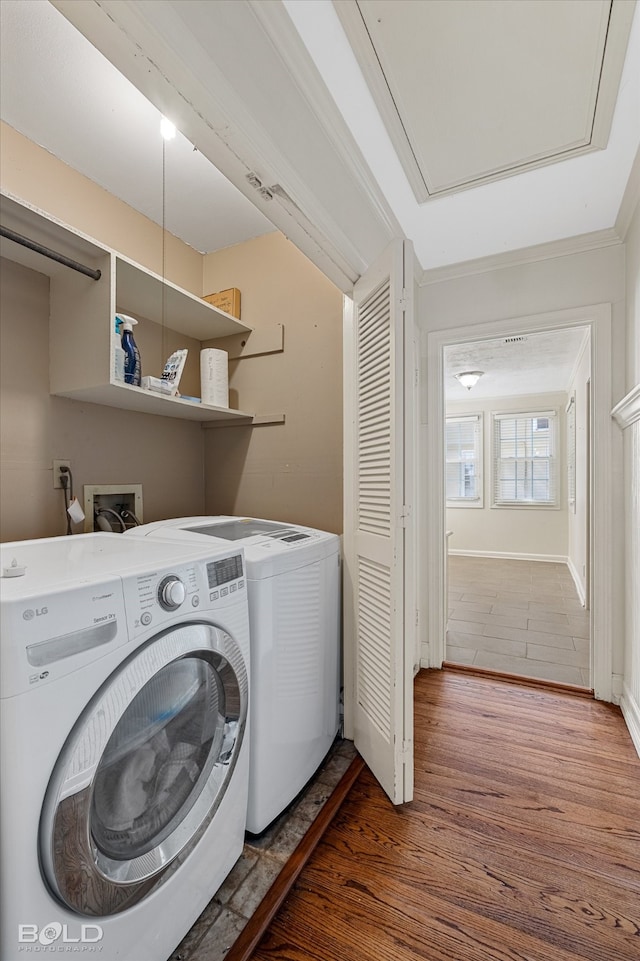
(606,473)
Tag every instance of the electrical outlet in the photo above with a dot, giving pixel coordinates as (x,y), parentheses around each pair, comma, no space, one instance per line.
(57,464)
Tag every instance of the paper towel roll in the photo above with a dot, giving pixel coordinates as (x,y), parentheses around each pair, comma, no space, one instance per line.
(214,377)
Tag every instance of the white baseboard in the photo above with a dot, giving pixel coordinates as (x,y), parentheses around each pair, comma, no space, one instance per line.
(617,682)
(546,558)
(424,655)
(631,713)
(576,580)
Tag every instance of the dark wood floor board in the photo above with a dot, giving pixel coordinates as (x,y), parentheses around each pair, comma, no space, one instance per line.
(497,883)
(417,892)
(512,849)
(533,771)
(545,817)
(568,723)
(569,737)
(474,830)
(554,759)
(612,865)
(380,921)
(538,760)
(551,800)
(497,700)
(400,929)
(426,837)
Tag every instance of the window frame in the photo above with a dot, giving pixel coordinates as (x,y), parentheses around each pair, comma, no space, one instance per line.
(476,502)
(553,460)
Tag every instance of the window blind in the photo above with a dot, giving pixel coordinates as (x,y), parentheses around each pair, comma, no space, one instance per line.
(463,461)
(524,459)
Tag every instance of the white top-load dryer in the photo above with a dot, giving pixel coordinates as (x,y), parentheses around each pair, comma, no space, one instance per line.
(293,580)
(124,741)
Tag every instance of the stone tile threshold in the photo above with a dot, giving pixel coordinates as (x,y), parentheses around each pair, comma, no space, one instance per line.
(236,917)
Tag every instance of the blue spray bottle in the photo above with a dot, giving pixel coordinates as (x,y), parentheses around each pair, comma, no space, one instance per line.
(119,354)
(132,365)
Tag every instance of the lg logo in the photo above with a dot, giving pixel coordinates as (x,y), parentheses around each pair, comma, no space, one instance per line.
(29,614)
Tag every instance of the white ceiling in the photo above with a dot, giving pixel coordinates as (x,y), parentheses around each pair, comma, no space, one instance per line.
(577,196)
(484,110)
(60,92)
(536,363)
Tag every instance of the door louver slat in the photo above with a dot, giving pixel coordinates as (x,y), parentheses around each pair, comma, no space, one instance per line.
(374,693)
(374,413)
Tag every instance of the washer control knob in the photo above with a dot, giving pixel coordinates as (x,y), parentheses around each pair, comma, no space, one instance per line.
(171,593)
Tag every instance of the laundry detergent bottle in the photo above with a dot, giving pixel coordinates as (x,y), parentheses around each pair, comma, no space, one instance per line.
(132,365)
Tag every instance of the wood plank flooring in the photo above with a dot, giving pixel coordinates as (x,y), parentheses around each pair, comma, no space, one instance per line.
(522,842)
(517,617)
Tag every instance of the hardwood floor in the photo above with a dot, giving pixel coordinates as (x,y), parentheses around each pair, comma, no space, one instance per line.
(517,617)
(522,842)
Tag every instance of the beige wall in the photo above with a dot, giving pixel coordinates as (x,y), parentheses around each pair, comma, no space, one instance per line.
(530,531)
(293,472)
(290,472)
(35,176)
(105,446)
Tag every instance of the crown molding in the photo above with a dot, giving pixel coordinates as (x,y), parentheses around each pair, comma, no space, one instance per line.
(608,237)
(627,412)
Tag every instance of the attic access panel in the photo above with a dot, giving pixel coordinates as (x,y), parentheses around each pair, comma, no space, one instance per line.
(478,90)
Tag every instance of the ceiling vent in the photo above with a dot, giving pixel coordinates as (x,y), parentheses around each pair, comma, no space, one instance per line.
(514,340)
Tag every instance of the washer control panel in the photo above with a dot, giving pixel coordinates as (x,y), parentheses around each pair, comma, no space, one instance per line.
(156,596)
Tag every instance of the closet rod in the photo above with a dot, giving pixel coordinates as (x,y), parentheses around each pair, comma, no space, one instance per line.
(51,254)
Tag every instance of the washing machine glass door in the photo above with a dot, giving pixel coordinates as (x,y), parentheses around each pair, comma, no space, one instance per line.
(144,770)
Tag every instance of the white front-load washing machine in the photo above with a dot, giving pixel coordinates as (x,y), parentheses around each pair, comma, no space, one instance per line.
(124,741)
(293,575)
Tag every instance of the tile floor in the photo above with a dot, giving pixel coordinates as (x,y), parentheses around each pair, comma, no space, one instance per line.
(520,617)
(261,861)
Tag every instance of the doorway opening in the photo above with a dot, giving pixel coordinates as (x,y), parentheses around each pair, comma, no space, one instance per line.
(594,521)
(516,426)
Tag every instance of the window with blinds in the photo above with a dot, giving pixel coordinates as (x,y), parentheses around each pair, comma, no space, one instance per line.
(525,469)
(463,456)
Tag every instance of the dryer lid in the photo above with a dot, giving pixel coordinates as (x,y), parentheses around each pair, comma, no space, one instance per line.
(243,527)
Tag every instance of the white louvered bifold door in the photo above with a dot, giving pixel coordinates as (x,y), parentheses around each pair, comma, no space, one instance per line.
(375,514)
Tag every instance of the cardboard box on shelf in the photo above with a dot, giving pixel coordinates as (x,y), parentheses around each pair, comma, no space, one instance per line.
(227,300)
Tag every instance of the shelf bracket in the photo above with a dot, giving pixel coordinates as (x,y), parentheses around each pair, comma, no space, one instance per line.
(259,420)
(263,340)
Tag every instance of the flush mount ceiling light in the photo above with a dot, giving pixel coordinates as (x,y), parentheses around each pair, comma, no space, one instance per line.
(469,378)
